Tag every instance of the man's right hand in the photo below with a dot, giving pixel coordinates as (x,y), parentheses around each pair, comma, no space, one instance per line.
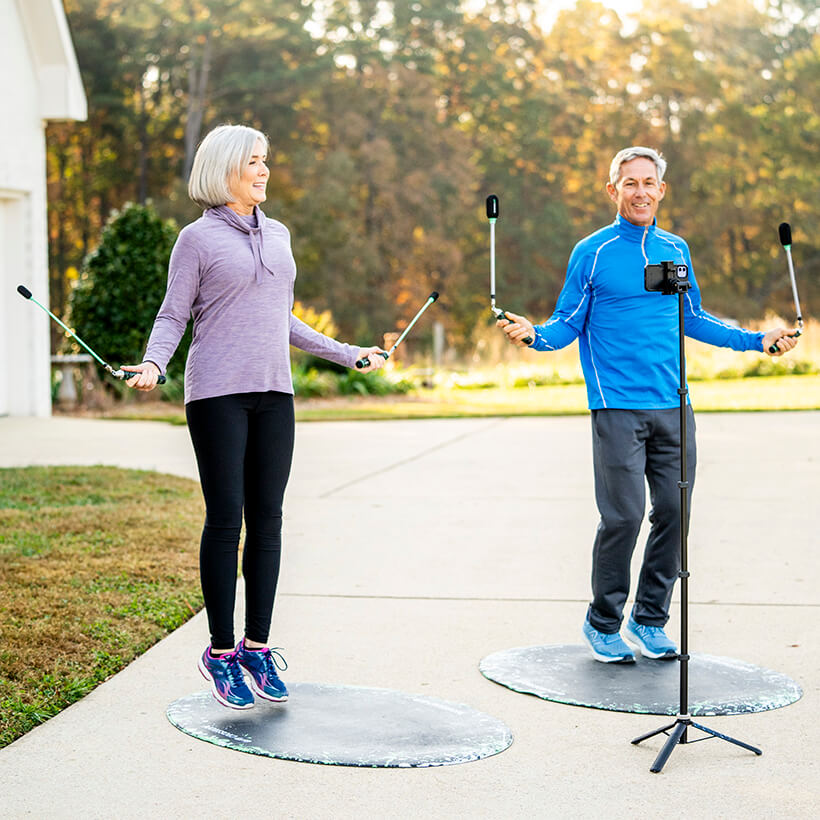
(781,339)
(518,329)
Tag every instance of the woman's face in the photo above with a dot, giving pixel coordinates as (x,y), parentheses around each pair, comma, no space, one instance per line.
(249,189)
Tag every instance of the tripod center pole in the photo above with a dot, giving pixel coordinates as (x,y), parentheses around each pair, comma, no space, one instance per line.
(683,391)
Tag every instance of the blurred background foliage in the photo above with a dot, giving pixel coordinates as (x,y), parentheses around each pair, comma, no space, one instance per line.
(122,279)
(390,122)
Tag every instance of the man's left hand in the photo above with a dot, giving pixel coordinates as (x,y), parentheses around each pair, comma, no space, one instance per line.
(782,338)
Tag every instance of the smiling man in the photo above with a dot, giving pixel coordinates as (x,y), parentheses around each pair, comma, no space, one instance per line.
(628,340)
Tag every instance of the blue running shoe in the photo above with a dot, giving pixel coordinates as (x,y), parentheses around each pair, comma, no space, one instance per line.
(607,647)
(227,681)
(651,640)
(262,666)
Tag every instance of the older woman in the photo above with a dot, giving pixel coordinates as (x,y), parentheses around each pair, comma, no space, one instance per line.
(232,270)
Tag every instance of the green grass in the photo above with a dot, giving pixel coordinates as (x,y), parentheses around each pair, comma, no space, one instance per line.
(721,395)
(748,394)
(96,565)
(756,394)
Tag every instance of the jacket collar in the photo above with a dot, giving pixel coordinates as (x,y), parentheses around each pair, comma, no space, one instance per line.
(255,234)
(631,232)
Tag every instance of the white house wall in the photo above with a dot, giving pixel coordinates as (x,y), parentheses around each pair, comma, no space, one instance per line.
(61,95)
(35,53)
(24,364)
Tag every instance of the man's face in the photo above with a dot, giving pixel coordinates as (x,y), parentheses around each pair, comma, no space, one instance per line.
(637,192)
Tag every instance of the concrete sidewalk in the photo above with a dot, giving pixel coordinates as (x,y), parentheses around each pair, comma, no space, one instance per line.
(414,549)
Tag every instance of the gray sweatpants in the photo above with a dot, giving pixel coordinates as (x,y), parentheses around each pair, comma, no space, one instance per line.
(632,448)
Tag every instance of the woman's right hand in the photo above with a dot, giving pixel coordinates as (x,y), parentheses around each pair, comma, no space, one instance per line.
(147,374)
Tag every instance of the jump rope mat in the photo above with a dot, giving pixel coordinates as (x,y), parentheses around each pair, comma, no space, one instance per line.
(346,726)
(568,674)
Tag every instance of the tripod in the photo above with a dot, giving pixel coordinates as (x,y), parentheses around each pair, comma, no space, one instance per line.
(679,284)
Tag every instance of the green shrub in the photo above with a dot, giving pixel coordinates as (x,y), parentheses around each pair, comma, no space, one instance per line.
(308,382)
(370,384)
(780,367)
(545,380)
(322,322)
(122,284)
(470,381)
(174,388)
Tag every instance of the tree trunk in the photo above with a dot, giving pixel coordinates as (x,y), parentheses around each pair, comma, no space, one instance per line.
(197,92)
(58,257)
(142,166)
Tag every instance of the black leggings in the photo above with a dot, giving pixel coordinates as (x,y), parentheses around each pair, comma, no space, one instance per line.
(244,445)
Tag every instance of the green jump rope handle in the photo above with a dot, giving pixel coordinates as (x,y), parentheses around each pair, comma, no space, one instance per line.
(366,361)
(773,348)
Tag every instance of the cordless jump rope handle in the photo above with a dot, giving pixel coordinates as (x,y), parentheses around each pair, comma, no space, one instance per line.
(493,211)
(773,348)
(366,361)
(784,231)
(492,207)
(160,379)
(117,374)
(527,339)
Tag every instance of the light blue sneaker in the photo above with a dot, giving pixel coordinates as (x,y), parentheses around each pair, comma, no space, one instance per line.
(607,647)
(651,640)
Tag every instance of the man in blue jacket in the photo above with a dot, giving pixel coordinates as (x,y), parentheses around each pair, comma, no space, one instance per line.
(628,340)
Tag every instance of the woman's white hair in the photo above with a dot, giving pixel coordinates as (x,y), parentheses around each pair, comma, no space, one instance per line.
(636,151)
(219,160)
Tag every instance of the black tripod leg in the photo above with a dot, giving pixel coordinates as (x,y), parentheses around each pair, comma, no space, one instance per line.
(727,738)
(652,734)
(670,744)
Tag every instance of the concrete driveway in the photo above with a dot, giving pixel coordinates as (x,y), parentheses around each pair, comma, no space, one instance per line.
(412,550)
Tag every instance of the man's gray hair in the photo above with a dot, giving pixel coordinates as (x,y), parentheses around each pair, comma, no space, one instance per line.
(219,160)
(636,151)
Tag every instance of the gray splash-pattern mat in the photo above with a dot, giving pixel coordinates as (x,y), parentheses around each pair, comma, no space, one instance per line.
(347,726)
(568,674)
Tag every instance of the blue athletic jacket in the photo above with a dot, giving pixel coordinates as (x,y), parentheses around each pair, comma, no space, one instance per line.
(628,337)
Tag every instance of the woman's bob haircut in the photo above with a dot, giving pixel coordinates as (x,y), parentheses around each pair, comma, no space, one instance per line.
(219,160)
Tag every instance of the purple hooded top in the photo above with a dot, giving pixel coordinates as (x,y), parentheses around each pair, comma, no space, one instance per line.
(234,276)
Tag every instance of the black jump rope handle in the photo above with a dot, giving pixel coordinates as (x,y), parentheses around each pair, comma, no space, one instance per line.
(160,379)
(773,348)
(366,361)
(527,339)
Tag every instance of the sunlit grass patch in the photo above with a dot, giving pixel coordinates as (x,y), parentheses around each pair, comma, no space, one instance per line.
(96,565)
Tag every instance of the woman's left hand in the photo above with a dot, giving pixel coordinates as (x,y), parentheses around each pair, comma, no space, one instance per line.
(376,357)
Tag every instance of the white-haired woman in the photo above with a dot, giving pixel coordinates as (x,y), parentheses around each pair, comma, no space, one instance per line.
(232,271)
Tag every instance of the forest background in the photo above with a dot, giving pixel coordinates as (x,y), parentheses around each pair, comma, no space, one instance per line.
(390,122)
